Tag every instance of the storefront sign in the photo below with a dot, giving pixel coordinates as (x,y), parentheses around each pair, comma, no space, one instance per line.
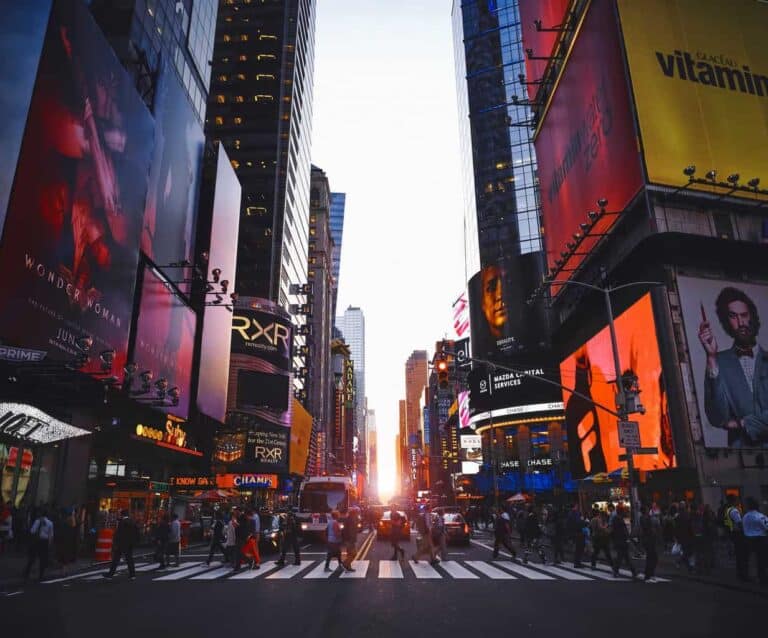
(173,433)
(247,480)
(9,353)
(530,464)
(470,441)
(192,481)
(25,422)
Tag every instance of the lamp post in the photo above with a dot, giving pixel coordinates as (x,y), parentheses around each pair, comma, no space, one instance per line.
(621,397)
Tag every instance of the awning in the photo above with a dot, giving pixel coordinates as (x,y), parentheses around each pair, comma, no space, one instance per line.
(27,423)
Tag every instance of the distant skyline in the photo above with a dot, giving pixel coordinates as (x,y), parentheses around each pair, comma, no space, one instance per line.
(385,132)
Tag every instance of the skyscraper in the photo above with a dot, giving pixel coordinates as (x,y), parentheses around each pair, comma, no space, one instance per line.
(260,107)
(338,204)
(501,202)
(416,374)
(352,326)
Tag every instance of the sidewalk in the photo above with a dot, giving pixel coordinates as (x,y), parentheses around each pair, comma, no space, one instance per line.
(724,576)
(13,564)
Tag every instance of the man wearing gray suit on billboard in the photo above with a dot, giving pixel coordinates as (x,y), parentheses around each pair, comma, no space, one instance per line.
(736,380)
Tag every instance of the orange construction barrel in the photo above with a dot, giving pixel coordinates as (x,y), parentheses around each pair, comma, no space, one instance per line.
(104,545)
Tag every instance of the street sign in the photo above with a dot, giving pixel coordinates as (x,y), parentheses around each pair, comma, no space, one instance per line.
(629,434)
(640,450)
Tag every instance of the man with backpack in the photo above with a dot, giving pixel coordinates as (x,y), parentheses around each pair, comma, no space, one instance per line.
(217,538)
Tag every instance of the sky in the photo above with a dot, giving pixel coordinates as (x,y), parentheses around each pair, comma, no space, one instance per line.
(385,131)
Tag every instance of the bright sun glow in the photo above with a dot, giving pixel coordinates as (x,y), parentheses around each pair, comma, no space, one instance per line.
(386,467)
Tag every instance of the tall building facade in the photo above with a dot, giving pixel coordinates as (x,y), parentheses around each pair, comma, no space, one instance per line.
(320,277)
(260,108)
(416,373)
(338,205)
(373,455)
(352,326)
(403,479)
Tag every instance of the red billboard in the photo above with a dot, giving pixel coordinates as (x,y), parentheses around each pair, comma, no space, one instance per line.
(592,433)
(165,333)
(586,146)
(217,321)
(551,14)
(70,246)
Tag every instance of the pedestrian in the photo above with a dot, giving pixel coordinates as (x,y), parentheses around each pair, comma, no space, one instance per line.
(125,539)
(160,537)
(684,535)
(601,538)
(6,526)
(333,534)
(424,538)
(620,540)
(251,547)
(706,534)
(230,538)
(349,536)
(437,530)
(755,527)
(649,540)
(290,538)
(735,531)
(66,540)
(242,534)
(532,534)
(574,526)
(173,546)
(396,533)
(557,526)
(502,535)
(218,538)
(41,538)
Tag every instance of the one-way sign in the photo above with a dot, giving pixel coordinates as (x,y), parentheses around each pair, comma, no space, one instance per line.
(629,434)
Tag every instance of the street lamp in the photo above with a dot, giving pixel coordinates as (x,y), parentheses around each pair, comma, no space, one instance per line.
(622,403)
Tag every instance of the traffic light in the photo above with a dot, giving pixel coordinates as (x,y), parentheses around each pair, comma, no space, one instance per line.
(441,365)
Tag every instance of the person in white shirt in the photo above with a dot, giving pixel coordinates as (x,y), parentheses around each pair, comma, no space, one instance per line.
(755,526)
(174,539)
(41,540)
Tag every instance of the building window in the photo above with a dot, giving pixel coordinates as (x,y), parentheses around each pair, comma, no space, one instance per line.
(227,38)
(238,121)
(239,99)
(219,120)
(223,77)
(235,164)
(243,58)
(266,56)
(221,99)
(241,76)
(243,37)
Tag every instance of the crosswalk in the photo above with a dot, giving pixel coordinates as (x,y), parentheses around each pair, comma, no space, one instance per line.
(309,570)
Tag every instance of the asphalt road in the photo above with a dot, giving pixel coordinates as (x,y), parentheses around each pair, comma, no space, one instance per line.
(467,595)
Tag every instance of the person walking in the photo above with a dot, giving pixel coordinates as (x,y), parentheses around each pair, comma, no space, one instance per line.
(437,530)
(41,539)
(6,526)
(218,538)
(290,538)
(574,526)
(396,533)
(173,546)
(230,538)
(620,540)
(601,538)
(349,537)
(557,525)
(333,533)
(735,531)
(502,533)
(424,537)
(684,535)
(242,534)
(126,538)
(66,540)
(755,526)
(649,539)
(161,534)
(532,536)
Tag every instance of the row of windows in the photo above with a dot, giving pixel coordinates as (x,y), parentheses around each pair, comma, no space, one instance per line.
(226,77)
(241,99)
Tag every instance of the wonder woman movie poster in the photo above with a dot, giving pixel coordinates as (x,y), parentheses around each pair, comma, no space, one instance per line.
(593,438)
(165,339)
(71,241)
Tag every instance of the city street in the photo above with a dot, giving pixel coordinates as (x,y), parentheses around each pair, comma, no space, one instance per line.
(467,593)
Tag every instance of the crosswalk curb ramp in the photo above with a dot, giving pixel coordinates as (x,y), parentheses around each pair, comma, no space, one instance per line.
(466,570)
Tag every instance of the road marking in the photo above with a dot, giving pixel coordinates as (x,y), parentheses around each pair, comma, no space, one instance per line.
(319,571)
(251,574)
(306,546)
(390,569)
(523,571)
(628,574)
(183,573)
(595,573)
(424,570)
(147,568)
(74,576)
(289,571)
(457,570)
(120,570)
(14,593)
(562,573)
(214,574)
(490,570)
(360,567)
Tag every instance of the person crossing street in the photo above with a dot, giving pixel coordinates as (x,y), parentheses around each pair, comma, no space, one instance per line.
(126,538)
(289,528)
(620,540)
(502,532)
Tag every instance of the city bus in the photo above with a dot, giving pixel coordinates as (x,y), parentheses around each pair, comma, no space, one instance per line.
(319,496)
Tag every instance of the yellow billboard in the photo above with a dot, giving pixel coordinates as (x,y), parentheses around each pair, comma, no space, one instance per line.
(301,431)
(699,72)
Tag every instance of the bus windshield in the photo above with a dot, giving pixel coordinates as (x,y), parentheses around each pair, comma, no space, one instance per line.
(323,499)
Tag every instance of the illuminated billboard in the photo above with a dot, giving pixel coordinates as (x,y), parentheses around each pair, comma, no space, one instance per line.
(585,146)
(592,433)
(301,433)
(170,213)
(165,338)
(541,42)
(70,247)
(260,363)
(217,321)
(699,72)
(729,364)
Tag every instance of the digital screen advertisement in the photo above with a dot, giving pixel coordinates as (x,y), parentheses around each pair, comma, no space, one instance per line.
(71,238)
(165,334)
(728,359)
(585,146)
(592,433)
(699,73)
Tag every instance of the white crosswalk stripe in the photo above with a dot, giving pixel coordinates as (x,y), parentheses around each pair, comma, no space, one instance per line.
(467,570)
(390,569)
(628,574)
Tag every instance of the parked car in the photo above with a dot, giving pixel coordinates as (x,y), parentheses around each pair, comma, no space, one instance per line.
(456,528)
(384,528)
